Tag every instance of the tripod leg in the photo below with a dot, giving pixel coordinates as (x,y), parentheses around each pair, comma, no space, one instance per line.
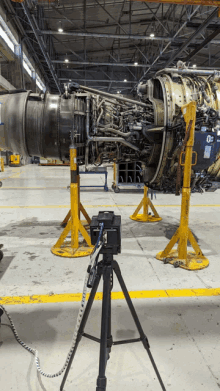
(109,337)
(101,380)
(1,313)
(83,324)
(136,320)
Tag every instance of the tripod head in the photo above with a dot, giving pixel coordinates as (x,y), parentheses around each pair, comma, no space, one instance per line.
(105,231)
(111,233)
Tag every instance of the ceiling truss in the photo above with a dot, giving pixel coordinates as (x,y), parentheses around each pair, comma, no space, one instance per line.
(114,43)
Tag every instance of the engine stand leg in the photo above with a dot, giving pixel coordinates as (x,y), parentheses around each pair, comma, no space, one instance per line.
(145,216)
(2,165)
(73,248)
(181,257)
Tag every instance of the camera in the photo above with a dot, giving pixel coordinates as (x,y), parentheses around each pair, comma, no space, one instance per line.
(111,233)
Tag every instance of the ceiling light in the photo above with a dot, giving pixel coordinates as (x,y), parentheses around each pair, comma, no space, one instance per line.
(125,80)
(136,63)
(152,35)
(194,65)
(66,60)
(70,80)
(118,92)
(60,30)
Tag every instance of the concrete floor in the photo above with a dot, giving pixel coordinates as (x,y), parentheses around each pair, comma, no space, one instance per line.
(183,331)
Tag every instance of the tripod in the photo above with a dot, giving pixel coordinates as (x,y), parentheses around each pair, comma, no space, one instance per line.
(105,269)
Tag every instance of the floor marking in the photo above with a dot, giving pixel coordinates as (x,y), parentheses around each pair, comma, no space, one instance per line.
(100,206)
(39,187)
(14,175)
(34,206)
(75,297)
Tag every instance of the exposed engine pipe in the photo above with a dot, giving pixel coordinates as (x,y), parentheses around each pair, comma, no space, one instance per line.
(120,98)
(115,139)
(188,71)
(105,139)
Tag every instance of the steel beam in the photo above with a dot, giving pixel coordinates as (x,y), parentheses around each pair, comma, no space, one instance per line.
(96,40)
(174,42)
(206,22)
(80,6)
(204,43)
(155,16)
(5,85)
(212,3)
(16,19)
(168,44)
(41,44)
(120,27)
(194,25)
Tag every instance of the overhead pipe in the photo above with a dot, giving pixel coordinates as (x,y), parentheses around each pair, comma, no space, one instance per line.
(99,81)
(114,64)
(103,35)
(117,36)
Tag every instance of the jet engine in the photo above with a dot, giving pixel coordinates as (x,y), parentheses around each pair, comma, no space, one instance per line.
(107,128)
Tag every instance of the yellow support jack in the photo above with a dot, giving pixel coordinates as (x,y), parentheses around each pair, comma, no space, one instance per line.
(2,165)
(72,223)
(145,216)
(181,257)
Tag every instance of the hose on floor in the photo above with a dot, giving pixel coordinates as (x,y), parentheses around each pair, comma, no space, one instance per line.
(93,259)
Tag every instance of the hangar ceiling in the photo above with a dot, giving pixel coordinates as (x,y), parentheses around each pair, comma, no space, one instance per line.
(112,44)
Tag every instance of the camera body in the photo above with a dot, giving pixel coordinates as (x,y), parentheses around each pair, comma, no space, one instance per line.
(111,235)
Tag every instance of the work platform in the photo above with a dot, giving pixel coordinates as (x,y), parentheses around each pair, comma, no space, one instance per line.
(179,310)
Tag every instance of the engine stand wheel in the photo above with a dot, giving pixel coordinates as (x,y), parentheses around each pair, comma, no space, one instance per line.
(115,188)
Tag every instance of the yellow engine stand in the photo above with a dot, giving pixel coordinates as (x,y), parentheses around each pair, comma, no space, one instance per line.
(73,248)
(180,257)
(145,216)
(2,165)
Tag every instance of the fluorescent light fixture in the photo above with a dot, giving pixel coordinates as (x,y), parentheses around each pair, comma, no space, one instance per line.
(125,80)
(60,30)
(40,84)
(135,63)
(152,35)
(27,68)
(7,40)
(6,35)
(66,60)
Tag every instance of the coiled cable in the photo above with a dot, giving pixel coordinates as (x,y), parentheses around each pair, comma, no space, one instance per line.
(93,259)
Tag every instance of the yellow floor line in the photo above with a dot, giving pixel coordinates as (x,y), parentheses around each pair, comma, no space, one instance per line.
(35,188)
(72,297)
(99,206)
